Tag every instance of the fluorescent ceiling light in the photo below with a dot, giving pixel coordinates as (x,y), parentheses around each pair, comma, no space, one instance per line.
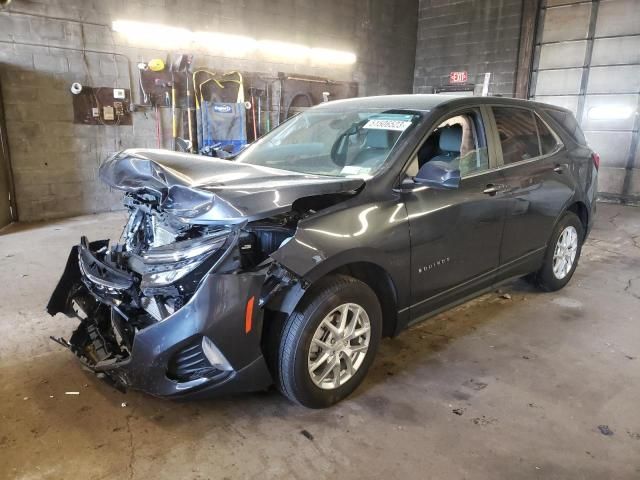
(141,32)
(163,36)
(326,55)
(284,49)
(610,112)
(231,45)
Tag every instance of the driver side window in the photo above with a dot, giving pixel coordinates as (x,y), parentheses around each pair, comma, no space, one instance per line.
(457,144)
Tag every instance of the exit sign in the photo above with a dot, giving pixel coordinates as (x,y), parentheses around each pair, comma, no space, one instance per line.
(458,77)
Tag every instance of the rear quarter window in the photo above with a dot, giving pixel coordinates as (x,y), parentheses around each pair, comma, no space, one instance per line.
(548,141)
(518,134)
(569,124)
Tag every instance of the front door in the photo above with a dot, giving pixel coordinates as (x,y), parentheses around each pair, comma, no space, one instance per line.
(455,233)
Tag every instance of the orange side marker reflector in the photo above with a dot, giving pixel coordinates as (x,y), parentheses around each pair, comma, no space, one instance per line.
(248,316)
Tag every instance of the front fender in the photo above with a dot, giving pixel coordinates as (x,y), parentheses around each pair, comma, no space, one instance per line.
(368,233)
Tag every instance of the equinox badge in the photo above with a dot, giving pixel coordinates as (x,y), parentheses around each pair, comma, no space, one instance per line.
(437,263)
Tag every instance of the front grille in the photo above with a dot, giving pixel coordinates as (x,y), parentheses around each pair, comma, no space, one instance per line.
(190,363)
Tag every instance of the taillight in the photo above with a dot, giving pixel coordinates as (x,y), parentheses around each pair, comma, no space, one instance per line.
(596,160)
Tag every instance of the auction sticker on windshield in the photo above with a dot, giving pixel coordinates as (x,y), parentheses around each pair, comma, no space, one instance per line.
(397,123)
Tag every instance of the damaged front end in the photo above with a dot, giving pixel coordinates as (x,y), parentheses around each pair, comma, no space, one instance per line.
(176,306)
(172,308)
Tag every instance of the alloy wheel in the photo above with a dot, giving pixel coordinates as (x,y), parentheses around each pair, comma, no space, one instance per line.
(565,252)
(339,346)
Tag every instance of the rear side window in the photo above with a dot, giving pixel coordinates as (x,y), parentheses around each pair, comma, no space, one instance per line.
(548,142)
(518,134)
(568,123)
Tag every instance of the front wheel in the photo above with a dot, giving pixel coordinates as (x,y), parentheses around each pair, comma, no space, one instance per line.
(329,343)
(563,252)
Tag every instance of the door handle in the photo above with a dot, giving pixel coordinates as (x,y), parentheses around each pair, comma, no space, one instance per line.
(492,189)
(558,169)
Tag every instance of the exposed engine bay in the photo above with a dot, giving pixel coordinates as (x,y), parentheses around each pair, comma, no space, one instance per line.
(158,264)
(168,257)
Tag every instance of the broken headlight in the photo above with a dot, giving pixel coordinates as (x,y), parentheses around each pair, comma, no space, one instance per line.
(161,266)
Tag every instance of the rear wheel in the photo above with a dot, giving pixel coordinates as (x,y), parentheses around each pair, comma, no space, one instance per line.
(329,343)
(563,252)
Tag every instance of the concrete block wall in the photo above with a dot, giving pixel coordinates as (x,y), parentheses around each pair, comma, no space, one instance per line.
(45,45)
(477,36)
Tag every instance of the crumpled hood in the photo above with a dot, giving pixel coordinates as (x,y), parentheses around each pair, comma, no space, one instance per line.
(201,189)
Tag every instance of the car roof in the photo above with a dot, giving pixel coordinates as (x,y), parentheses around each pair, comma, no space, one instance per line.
(426,102)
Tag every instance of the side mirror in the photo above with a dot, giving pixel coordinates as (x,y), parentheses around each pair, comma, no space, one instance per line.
(438,175)
(408,185)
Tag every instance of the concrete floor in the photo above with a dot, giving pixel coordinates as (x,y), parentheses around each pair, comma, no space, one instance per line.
(497,388)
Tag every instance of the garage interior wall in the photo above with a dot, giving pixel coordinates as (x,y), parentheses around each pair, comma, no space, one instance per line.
(468,35)
(588,60)
(45,46)
(7,210)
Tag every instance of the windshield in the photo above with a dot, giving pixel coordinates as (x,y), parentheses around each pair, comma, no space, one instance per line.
(344,143)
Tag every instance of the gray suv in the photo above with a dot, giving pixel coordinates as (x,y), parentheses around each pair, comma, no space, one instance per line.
(287,263)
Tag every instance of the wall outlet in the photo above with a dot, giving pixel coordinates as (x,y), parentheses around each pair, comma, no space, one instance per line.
(118,93)
(95,112)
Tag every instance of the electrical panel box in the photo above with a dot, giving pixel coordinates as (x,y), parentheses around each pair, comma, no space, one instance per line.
(108,113)
(102,106)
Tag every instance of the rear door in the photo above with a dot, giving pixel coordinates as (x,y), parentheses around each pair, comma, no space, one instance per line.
(535,169)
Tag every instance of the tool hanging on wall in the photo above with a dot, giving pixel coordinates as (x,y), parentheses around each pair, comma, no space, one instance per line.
(156,65)
(221,114)
(193,147)
(252,92)
(197,95)
(259,115)
(202,119)
(280,98)
(174,113)
(268,118)
(159,141)
(186,68)
(181,66)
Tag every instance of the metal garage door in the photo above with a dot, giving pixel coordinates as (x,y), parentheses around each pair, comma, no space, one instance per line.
(588,60)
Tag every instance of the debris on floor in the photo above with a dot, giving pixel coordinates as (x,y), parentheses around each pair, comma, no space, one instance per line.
(506,296)
(483,420)
(307,434)
(475,384)
(605,430)
(458,411)
(72,393)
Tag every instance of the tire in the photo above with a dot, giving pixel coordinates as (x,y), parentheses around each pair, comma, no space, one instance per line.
(549,279)
(299,351)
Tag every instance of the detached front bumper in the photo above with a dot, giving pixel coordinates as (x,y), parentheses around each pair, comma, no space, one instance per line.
(176,357)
